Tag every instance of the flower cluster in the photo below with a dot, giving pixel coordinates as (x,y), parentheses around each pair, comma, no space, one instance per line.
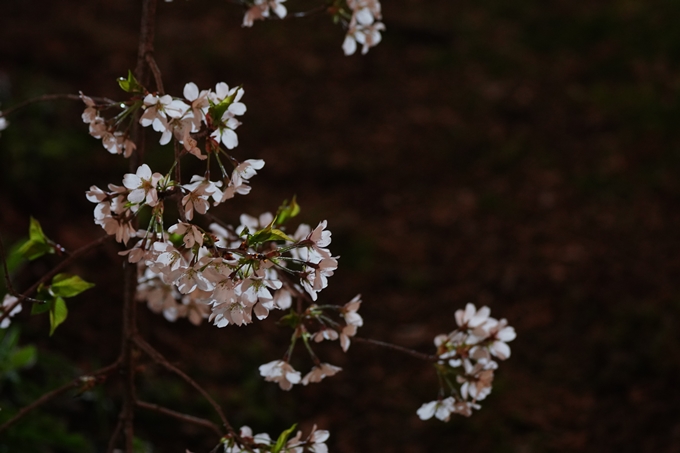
(467,354)
(317,324)
(261,9)
(260,443)
(364,26)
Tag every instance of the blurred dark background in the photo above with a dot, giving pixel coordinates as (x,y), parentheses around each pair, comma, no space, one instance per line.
(519,154)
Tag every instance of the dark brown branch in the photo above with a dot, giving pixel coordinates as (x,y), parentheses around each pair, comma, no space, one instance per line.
(58,268)
(394,347)
(161,360)
(180,416)
(47,397)
(146,38)
(127,357)
(114,436)
(155,70)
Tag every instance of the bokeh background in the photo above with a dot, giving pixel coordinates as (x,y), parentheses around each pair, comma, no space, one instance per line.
(518,154)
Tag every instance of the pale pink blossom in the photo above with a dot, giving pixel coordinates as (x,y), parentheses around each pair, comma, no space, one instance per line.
(320,372)
(280,372)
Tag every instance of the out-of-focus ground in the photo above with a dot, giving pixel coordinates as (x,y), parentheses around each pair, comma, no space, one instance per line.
(518,154)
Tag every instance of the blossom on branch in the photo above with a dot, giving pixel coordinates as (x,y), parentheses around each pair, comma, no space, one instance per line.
(261,10)
(9,302)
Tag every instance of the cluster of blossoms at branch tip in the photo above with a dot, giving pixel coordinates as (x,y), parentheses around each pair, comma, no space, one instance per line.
(467,354)
(11,306)
(261,443)
(318,319)
(364,27)
(261,9)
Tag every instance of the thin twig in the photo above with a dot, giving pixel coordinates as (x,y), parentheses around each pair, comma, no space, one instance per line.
(56,392)
(180,416)
(161,360)
(114,436)
(394,347)
(10,287)
(156,72)
(72,257)
(127,357)
(52,97)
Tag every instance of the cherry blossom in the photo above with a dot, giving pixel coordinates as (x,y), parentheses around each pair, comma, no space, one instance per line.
(261,9)
(320,372)
(364,26)
(280,372)
(7,302)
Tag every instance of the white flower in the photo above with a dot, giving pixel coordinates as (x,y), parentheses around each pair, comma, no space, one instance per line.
(471,317)
(441,409)
(364,27)
(281,372)
(142,185)
(9,302)
(500,333)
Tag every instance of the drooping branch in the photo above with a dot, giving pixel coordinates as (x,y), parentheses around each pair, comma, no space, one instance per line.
(161,360)
(49,396)
(180,416)
(395,347)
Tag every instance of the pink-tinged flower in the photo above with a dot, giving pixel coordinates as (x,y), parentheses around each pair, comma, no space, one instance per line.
(325,334)
(280,372)
(192,278)
(3,122)
(9,302)
(352,319)
(199,192)
(477,379)
(91,112)
(192,235)
(320,372)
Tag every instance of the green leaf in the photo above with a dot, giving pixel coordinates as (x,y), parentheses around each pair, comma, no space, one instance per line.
(130,85)
(58,313)
(217,110)
(269,234)
(35,232)
(38,244)
(287,211)
(283,438)
(65,285)
(23,357)
(36,309)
